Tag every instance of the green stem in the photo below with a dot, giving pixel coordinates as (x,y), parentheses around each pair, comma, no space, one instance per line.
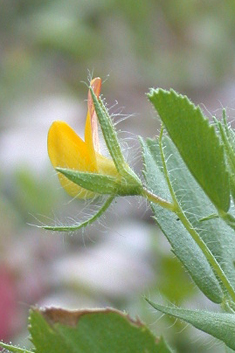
(157,199)
(228,218)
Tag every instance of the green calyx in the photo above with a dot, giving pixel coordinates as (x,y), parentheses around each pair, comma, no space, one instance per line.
(104,184)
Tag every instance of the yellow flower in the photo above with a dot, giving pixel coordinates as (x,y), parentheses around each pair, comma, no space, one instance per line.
(67,150)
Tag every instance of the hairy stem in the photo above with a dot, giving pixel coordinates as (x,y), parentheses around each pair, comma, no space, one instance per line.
(157,199)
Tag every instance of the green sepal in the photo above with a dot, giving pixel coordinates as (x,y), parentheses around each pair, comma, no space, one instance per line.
(102,184)
(109,133)
(197,143)
(112,143)
(98,183)
(74,227)
(14,349)
(218,325)
(207,218)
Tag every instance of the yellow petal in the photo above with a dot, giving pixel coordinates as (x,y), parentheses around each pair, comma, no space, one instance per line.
(106,166)
(67,150)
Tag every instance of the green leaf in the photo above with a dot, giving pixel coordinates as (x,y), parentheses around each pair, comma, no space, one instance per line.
(14,349)
(217,235)
(182,244)
(197,143)
(218,325)
(227,137)
(91,331)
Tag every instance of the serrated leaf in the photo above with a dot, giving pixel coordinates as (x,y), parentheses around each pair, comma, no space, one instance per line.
(218,236)
(227,137)
(196,142)
(182,244)
(218,325)
(91,331)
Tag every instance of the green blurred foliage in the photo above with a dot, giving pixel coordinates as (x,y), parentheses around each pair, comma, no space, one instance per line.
(174,282)
(32,197)
(183,43)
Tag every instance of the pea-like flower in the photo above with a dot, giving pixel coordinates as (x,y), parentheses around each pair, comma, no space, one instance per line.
(67,150)
(82,170)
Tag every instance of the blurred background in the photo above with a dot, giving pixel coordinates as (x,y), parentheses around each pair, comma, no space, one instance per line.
(48,49)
